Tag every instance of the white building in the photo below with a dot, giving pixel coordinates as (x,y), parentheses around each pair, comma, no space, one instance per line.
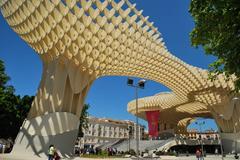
(207,134)
(103,130)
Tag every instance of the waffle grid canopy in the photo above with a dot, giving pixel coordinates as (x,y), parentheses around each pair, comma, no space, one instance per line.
(82,40)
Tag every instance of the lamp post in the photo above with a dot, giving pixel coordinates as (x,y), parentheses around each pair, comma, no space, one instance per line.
(129,137)
(235,99)
(140,84)
(219,130)
(200,124)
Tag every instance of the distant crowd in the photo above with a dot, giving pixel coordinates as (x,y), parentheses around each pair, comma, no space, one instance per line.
(97,151)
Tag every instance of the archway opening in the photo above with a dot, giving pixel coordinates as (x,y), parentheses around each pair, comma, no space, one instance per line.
(109,96)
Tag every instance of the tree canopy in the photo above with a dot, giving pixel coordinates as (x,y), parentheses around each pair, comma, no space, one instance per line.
(13,108)
(217,29)
(83,119)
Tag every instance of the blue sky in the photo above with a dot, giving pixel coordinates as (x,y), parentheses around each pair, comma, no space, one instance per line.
(109,96)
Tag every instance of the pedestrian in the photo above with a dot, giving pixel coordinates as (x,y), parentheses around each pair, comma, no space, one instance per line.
(51,152)
(201,154)
(56,155)
(198,154)
(216,151)
(1,148)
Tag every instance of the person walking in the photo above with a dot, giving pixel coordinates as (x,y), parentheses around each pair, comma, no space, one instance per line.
(1,148)
(198,154)
(216,151)
(51,152)
(56,155)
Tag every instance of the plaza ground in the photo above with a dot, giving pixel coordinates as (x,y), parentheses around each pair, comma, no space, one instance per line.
(192,157)
(170,158)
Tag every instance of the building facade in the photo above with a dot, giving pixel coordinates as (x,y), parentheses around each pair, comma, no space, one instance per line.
(103,130)
(207,134)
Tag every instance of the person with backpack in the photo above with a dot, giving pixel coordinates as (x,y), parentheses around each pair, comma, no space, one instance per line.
(51,152)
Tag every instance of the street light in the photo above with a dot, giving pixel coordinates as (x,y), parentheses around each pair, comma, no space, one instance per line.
(129,136)
(200,125)
(219,130)
(235,99)
(141,85)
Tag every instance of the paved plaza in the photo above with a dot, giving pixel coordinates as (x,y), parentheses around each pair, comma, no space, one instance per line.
(81,41)
(171,158)
(192,157)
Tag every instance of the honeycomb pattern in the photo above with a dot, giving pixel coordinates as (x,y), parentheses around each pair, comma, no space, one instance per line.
(105,38)
(182,125)
(172,110)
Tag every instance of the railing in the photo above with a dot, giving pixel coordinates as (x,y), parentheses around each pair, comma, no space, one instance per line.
(161,144)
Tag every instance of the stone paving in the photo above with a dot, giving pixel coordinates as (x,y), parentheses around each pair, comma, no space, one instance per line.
(169,158)
(209,157)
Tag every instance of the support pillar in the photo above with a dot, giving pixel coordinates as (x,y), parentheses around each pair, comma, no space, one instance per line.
(54,115)
(231,142)
(227,118)
(36,134)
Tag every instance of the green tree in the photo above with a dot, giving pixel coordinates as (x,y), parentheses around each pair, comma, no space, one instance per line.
(23,107)
(217,29)
(13,108)
(83,119)
(7,104)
